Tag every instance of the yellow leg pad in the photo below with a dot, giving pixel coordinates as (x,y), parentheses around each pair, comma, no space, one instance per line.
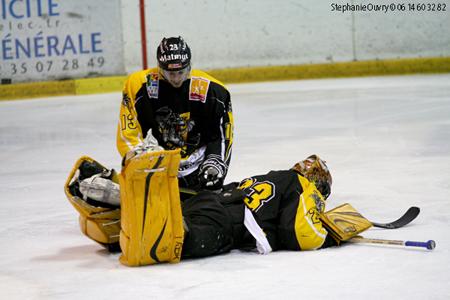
(152,227)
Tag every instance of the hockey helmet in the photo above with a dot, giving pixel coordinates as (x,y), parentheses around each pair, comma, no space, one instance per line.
(173,54)
(315,170)
(174,60)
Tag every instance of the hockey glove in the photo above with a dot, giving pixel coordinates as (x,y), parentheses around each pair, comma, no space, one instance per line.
(172,127)
(100,189)
(149,144)
(212,173)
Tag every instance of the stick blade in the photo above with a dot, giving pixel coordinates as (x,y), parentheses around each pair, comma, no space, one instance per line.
(407,218)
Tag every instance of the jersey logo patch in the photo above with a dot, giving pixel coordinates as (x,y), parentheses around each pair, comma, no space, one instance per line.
(126,100)
(198,89)
(152,85)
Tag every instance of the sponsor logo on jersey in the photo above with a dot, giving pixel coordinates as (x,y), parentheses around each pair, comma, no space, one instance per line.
(152,85)
(320,203)
(125,100)
(198,89)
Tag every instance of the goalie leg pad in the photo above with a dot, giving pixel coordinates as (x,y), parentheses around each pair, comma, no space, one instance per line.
(152,225)
(99,223)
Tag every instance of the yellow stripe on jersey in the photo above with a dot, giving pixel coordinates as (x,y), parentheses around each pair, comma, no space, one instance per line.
(229,128)
(308,227)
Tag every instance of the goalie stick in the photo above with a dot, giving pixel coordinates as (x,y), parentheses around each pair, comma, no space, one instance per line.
(430,245)
(407,218)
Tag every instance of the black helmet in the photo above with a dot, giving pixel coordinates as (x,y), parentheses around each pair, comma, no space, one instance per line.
(173,54)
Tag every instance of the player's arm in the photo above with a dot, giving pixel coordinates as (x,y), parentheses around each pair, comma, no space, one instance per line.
(220,140)
(300,226)
(129,132)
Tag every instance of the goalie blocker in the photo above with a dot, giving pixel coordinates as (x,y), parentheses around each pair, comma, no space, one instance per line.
(344,222)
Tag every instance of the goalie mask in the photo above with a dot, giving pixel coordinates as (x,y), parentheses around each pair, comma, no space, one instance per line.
(315,170)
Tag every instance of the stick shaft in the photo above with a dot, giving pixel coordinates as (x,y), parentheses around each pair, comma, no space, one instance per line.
(360,239)
(430,245)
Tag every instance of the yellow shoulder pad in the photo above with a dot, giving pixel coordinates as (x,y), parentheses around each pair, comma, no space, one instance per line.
(135,81)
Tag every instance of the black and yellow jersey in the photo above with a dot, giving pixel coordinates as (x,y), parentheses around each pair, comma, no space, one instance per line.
(286,206)
(199,114)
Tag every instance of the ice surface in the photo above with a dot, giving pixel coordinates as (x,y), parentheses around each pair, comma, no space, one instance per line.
(386,141)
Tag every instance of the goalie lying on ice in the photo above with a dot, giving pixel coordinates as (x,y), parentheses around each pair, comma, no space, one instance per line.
(281,210)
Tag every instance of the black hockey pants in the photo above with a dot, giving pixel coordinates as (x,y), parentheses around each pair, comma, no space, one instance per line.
(215,224)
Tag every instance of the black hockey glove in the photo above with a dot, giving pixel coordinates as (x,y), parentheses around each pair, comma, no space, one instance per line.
(212,173)
(172,127)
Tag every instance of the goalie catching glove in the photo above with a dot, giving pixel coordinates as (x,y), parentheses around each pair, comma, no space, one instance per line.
(100,189)
(84,189)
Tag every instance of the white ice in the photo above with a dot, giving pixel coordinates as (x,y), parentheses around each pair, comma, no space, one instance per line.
(387,143)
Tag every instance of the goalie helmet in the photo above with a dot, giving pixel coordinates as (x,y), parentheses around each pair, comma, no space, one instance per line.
(173,54)
(315,170)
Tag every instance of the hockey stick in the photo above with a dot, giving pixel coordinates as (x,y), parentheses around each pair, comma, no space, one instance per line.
(430,245)
(407,218)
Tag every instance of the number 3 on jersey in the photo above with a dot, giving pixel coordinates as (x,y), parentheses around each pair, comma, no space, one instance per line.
(257,193)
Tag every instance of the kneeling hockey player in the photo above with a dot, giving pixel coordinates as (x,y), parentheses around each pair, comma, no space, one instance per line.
(276,211)
(185,109)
